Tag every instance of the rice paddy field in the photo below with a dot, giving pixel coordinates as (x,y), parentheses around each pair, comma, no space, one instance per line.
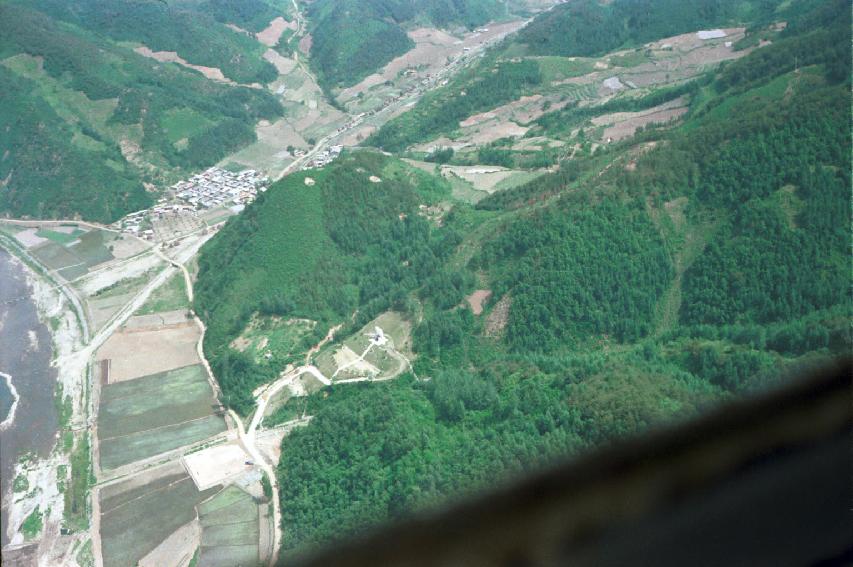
(230,529)
(73,253)
(154,414)
(138,514)
(71,249)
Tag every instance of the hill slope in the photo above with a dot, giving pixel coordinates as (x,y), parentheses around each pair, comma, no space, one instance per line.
(91,120)
(353,38)
(639,283)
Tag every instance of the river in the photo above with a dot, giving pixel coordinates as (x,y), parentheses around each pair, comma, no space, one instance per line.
(25,355)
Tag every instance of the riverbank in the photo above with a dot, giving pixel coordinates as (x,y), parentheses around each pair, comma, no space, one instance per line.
(9,414)
(41,473)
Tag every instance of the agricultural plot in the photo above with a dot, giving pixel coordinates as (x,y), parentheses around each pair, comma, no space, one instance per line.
(142,418)
(101,309)
(138,514)
(230,529)
(171,296)
(68,249)
(128,350)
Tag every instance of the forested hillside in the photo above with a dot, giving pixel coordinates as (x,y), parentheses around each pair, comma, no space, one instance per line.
(89,120)
(639,282)
(353,38)
(321,250)
(588,27)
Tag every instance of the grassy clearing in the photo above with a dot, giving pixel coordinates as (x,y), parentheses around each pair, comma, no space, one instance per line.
(126,286)
(183,123)
(170,296)
(464,191)
(20,484)
(275,339)
(76,512)
(630,59)
(85,555)
(519,178)
(558,68)
(33,525)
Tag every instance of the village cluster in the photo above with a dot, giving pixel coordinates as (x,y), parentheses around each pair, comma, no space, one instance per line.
(217,186)
(324,157)
(214,187)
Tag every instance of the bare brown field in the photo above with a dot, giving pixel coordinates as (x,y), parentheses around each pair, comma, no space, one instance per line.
(621,125)
(497,319)
(272,33)
(212,73)
(477,299)
(305,44)
(282,64)
(130,350)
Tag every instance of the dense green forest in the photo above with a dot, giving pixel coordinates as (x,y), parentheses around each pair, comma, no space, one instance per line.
(353,38)
(193,32)
(44,175)
(91,120)
(717,264)
(250,15)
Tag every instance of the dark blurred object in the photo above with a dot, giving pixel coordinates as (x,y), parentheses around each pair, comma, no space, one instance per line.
(763,481)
